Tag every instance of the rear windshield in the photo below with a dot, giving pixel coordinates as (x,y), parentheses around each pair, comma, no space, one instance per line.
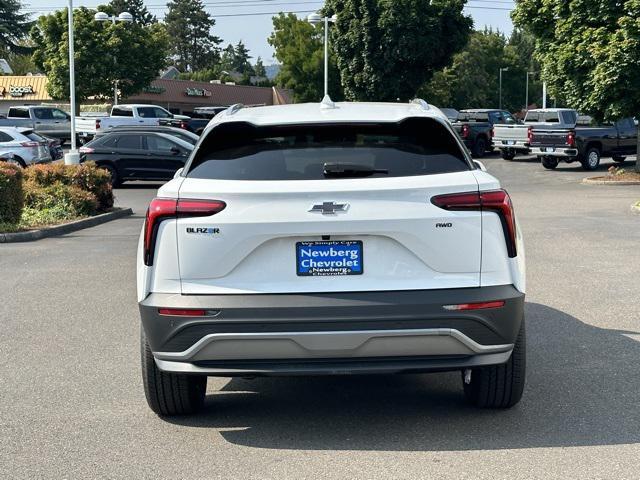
(240,151)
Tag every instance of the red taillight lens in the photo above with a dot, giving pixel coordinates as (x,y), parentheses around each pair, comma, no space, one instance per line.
(530,134)
(474,306)
(30,144)
(493,132)
(183,125)
(465,131)
(182,312)
(571,139)
(165,208)
(97,124)
(86,150)
(495,201)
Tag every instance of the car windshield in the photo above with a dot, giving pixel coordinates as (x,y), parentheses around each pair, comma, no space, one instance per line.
(239,151)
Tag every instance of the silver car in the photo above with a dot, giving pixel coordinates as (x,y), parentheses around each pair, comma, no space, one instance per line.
(27,148)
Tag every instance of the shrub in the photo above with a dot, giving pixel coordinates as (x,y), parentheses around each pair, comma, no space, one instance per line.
(70,200)
(86,176)
(11,193)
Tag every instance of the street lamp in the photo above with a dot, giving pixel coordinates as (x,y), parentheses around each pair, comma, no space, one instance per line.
(316,19)
(72,157)
(526,105)
(123,17)
(503,69)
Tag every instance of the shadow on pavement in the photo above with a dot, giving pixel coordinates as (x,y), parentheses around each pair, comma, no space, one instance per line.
(582,389)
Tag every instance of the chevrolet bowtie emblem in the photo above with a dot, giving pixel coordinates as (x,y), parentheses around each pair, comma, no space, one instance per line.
(329,208)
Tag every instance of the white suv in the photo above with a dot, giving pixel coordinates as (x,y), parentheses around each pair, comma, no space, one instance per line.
(328,238)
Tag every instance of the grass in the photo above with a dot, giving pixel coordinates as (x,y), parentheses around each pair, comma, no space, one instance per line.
(33,218)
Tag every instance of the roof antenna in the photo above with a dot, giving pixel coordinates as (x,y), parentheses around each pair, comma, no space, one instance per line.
(327,102)
(421,103)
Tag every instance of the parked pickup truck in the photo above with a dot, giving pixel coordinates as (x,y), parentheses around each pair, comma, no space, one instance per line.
(198,121)
(43,119)
(86,127)
(586,144)
(513,139)
(475,127)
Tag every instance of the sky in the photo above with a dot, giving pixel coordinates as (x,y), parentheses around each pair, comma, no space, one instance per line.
(246,19)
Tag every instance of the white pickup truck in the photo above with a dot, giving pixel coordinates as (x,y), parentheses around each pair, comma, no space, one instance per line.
(133,114)
(514,139)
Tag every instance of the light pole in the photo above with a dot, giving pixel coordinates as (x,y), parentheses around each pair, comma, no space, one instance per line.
(316,19)
(503,69)
(123,17)
(72,157)
(526,105)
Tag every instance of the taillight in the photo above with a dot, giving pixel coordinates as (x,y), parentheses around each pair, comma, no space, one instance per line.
(86,150)
(530,134)
(493,132)
(30,144)
(494,201)
(571,139)
(182,312)
(165,208)
(183,124)
(465,131)
(97,124)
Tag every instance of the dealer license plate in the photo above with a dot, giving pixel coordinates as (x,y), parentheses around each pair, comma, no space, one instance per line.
(549,149)
(329,258)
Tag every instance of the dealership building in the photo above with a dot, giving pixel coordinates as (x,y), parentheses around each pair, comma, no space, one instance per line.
(178,96)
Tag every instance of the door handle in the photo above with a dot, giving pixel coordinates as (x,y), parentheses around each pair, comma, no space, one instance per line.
(623,137)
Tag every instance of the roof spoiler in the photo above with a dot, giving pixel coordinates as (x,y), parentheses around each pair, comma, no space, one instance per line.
(234,108)
(420,103)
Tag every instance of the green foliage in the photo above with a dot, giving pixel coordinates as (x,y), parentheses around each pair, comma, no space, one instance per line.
(259,69)
(298,47)
(14,27)
(86,177)
(130,54)
(11,193)
(58,200)
(21,64)
(135,7)
(589,51)
(189,26)
(387,49)
(472,79)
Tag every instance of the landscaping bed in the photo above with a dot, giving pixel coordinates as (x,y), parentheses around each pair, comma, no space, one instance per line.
(616,176)
(46,195)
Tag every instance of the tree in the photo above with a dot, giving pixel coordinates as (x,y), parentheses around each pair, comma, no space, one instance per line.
(14,27)
(135,7)
(589,51)
(259,69)
(241,63)
(387,49)
(298,47)
(194,47)
(130,54)
(19,63)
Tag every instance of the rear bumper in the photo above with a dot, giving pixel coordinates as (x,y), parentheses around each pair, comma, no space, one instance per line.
(367,332)
(558,152)
(518,145)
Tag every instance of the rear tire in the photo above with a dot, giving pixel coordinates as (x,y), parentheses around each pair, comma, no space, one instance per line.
(549,163)
(508,154)
(479,148)
(499,386)
(115,178)
(591,160)
(169,393)
(618,158)
(17,161)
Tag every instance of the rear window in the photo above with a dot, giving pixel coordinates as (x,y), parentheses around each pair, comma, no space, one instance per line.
(240,151)
(34,137)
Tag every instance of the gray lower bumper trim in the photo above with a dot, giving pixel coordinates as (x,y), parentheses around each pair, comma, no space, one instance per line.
(328,344)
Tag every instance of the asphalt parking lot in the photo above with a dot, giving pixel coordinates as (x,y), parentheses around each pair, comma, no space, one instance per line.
(73,405)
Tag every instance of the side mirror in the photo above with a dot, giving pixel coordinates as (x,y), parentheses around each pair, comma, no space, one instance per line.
(178,173)
(480,165)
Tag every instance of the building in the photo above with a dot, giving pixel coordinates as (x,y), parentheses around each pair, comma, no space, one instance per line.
(178,96)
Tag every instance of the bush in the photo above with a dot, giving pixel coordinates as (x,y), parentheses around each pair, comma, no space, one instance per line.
(68,200)
(86,176)
(11,193)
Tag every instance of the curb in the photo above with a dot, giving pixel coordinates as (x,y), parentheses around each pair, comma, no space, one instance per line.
(32,235)
(597,181)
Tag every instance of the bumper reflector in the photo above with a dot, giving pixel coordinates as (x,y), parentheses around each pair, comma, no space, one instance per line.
(182,312)
(475,306)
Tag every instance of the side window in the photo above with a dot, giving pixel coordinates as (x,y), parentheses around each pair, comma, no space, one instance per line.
(509,119)
(18,113)
(58,114)
(121,112)
(160,113)
(109,142)
(131,142)
(159,144)
(4,137)
(42,114)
